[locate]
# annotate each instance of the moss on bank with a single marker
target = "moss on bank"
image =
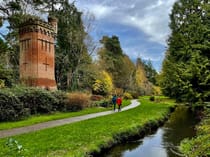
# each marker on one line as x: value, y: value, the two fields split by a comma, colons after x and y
x: 91, y: 136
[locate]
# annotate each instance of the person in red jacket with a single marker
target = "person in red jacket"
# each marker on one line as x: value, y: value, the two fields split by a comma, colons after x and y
x: 119, y: 103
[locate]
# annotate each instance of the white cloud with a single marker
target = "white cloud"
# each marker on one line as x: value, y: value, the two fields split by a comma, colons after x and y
x: 101, y: 11
x: 151, y: 16
x: 142, y: 52
x: 145, y: 23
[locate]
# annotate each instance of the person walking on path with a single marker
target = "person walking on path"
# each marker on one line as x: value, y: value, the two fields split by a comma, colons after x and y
x: 114, y: 99
x: 55, y: 123
x: 119, y: 103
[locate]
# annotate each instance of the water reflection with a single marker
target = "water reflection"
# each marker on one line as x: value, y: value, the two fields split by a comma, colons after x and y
x: 163, y: 141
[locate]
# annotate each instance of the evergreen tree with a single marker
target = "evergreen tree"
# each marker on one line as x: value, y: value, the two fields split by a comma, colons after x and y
x: 117, y: 64
x: 5, y: 71
x: 151, y: 73
x: 71, y: 52
x: 13, y: 12
x: 185, y: 74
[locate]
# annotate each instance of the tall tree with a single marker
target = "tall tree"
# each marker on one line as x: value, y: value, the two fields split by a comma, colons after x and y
x: 151, y: 73
x: 116, y: 63
x: 186, y: 74
x: 13, y: 12
x: 71, y: 52
x: 144, y: 87
x: 5, y: 71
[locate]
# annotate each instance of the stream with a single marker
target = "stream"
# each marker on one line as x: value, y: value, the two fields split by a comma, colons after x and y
x: 162, y: 143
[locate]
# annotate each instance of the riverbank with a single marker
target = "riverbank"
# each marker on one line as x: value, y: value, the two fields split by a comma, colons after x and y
x: 93, y: 135
x: 162, y: 142
x: 199, y: 146
x: 144, y: 129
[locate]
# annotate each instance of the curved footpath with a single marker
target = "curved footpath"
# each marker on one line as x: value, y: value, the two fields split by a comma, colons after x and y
x: 54, y: 123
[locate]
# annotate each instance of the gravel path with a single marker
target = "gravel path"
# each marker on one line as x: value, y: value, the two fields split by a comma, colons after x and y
x: 54, y: 123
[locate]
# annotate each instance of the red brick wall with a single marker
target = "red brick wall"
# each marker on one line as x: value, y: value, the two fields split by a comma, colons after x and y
x: 37, y: 57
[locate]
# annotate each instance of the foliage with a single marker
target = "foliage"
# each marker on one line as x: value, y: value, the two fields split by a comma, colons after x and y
x: 96, y: 97
x: 199, y: 145
x: 60, y: 104
x: 103, y: 85
x: 71, y: 52
x: 152, y: 98
x: 151, y: 73
x: 6, y: 76
x: 108, y: 85
x: 144, y: 87
x: 10, y: 107
x: 15, y: 148
x: 185, y: 74
x: 118, y: 91
x: 90, y: 135
x: 117, y: 64
x: 37, y: 100
x: 134, y: 94
x: 127, y: 95
x: 20, y: 102
x: 2, y: 84
x: 3, y: 49
x: 98, y: 87
x: 104, y: 103
x: 112, y: 44
x: 77, y: 101
x: 157, y: 90
x: 14, y: 13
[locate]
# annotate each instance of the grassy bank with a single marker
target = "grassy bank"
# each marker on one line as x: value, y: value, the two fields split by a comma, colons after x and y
x: 79, y: 139
x: 55, y: 116
x: 198, y: 146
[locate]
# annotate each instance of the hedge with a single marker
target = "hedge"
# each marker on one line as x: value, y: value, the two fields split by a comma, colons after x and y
x: 21, y: 102
x: 10, y: 107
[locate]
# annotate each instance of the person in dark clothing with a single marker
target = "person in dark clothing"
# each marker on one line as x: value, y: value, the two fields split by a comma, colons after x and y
x: 114, y: 99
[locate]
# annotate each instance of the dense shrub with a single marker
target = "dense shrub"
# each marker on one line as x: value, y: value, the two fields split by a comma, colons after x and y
x: 96, y: 97
x: 77, y: 101
x: 152, y: 98
x: 134, y: 94
x: 127, y: 95
x: 104, y: 103
x: 10, y: 107
x: 2, y: 84
x: 35, y: 100
x: 118, y: 91
x: 56, y: 98
x: 60, y: 104
x: 6, y: 75
x: 104, y: 85
x: 20, y: 102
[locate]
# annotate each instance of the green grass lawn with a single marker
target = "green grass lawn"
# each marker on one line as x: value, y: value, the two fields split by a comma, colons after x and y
x: 44, y: 118
x: 78, y: 139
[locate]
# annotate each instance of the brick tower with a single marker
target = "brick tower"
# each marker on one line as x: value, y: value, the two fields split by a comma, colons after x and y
x: 37, y: 54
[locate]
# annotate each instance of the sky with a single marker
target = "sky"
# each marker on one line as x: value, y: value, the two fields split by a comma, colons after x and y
x: 141, y: 25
